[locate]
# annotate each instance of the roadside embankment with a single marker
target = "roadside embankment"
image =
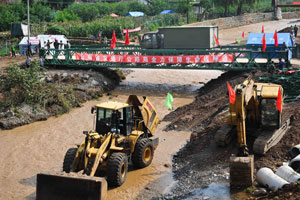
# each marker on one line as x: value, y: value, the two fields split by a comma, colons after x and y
x: 34, y: 94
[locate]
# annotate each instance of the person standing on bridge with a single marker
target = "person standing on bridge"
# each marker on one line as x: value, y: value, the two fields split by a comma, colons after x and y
x: 295, y: 30
x: 48, y: 47
x: 67, y: 52
x: 56, y: 45
x: 281, y: 64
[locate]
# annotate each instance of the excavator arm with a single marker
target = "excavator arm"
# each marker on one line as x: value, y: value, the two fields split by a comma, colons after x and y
x: 244, y: 92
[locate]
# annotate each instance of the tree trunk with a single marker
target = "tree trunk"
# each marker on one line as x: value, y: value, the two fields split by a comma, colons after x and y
x: 239, y: 8
x: 226, y: 9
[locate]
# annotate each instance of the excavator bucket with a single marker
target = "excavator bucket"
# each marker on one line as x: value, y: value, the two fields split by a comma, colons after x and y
x: 67, y: 187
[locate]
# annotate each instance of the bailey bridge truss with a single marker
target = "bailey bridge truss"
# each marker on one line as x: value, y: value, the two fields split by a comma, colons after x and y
x: 228, y: 58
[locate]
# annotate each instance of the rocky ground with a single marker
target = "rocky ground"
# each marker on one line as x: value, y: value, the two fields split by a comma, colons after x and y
x: 201, y: 162
x: 86, y: 85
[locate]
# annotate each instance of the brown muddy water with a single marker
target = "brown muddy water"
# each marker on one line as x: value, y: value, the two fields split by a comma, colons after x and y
x: 41, y: 146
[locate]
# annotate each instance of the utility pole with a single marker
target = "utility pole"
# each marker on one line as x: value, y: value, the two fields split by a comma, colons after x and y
x: 187, y: 12
x: 28, y: 18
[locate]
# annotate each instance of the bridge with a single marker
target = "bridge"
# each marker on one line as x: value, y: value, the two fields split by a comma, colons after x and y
x: 228, y: 58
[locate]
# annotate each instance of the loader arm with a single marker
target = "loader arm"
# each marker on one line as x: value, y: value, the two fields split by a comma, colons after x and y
x: 101, y: 150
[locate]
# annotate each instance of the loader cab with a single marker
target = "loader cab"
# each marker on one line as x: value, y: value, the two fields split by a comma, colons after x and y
x: 114, y: 117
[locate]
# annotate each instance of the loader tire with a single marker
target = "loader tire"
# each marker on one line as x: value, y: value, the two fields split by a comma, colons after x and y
x: 69, y: 158
x: 117, y: 169
x: 143, y: 153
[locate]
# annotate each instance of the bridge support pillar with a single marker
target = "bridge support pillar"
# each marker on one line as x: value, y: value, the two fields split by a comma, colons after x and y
x: 277, y: 13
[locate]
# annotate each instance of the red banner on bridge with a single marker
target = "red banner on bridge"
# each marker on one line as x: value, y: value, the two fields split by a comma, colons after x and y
x: 132, y: 30
x: 212, y: 58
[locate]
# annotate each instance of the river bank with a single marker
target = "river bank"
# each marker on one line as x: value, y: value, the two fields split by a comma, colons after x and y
x: 56, y: 92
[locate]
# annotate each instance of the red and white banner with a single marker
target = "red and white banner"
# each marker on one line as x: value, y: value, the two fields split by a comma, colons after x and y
x: 212, y: 58
x: 133, y: 30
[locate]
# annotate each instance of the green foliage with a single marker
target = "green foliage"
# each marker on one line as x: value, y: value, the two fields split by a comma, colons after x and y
x: 21, y: 84
x: 63, y: 16
x: 107, y: 24
x: 55, y: 29
x: 26, y: 85
x: 86, y: 12
x: 6, y: 18
x: 104, y: 8
x: 157, y: 6
x: 40, y: 13
x: 18, y: 13
x: 59, y: 4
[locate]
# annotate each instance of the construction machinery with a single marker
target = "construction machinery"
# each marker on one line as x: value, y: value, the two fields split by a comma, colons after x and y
x: 123, y: 132
x: 182, y: 37
x: 254, y: 114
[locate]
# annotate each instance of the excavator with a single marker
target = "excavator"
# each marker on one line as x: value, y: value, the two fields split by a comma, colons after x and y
x: 123, y: 132
x: 254, y: 113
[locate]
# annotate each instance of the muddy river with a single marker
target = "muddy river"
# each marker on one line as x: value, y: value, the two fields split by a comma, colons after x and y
x: 40, y: 147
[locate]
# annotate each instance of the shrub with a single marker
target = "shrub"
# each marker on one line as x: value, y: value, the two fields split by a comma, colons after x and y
x: 57, y: 30
x: 26, y: 85
x: 63, y: 16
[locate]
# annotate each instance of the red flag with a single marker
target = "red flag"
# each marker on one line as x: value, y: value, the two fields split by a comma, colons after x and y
x: 275, y: 38
x: 217, y: 41
x: 279, y: 100
x: 262, y: 29
x: 113, y: 41
x: 127, y: 38
x: 231, y: 94
x: 243, y: 35
x: 264, y: 43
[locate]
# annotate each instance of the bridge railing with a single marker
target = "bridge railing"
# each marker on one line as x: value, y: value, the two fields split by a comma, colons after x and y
x: 224, y: 59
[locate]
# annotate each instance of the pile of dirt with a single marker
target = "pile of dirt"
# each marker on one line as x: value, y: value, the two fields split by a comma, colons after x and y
x: 84, y: 84
x: 201, y: 162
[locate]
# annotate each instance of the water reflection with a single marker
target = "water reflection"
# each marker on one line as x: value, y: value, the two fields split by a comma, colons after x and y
x: 215, y: 191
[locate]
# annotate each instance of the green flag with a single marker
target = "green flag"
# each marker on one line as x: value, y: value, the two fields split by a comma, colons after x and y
x: 169, y: 101
x: 239, y: 40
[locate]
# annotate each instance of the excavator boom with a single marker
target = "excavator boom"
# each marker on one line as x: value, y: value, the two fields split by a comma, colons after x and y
x: 254, y: 113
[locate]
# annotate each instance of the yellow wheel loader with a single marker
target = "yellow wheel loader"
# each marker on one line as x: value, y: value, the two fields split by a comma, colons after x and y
x: 123, y: 132
x: 255, y: 113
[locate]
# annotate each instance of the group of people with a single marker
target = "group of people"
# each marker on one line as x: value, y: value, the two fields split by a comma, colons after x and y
x: 57, y: 45
x: 294, y: 30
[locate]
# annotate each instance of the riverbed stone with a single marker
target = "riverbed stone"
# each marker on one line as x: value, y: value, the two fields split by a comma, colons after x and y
x: 259, y: 192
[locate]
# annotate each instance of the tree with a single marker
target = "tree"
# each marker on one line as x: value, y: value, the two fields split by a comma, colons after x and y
x: 206, y: 7
x: 6, y: 17
x: 41, y: 13
x: 60, y: 4
x: 225, y: 4
x: 156, y: 6
x: 104, y: 8
x: 85, y: 11
x: 241, y: 3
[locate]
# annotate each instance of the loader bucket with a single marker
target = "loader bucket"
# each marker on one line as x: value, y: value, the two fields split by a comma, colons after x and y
x: 67, y: 187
